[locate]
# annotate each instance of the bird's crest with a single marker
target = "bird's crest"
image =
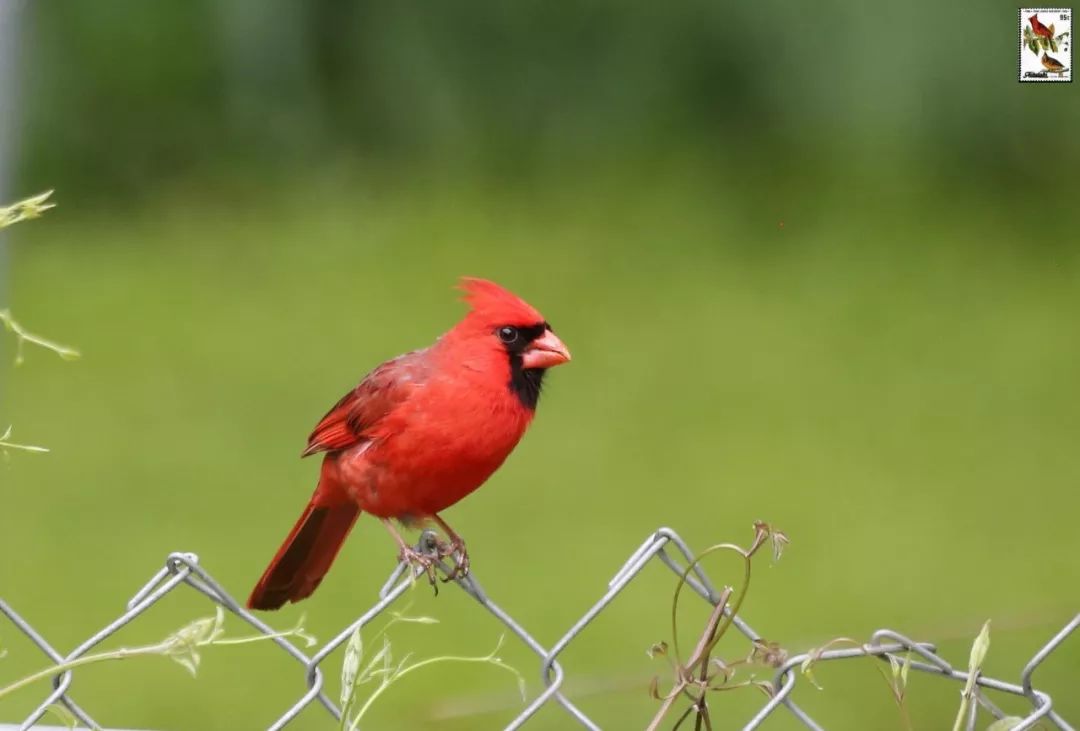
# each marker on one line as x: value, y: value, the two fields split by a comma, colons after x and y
x: 496, y: 305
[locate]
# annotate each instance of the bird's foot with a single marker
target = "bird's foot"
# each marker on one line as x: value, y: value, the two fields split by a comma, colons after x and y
x: 455, y: 549
x: 425, y: 556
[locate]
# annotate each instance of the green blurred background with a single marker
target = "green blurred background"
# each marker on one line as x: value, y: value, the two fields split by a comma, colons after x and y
x: 817, y: 265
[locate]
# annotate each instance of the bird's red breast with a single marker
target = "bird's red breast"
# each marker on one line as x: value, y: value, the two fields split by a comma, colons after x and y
x: 425, y: 429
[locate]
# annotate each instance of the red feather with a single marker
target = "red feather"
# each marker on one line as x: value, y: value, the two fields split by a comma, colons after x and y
x: 363, y: 407
x: 496, y: 306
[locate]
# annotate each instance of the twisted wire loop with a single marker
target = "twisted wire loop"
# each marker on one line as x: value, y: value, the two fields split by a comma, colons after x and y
x: 664, y: 545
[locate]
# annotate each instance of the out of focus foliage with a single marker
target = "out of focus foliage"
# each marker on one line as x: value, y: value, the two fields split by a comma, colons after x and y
x: 130, y: 94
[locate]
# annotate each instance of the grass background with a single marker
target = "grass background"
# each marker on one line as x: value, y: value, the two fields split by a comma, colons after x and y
x: 892, y: 384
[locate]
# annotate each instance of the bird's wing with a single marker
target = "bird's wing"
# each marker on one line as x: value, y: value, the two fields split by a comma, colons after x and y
x: 358, y: 411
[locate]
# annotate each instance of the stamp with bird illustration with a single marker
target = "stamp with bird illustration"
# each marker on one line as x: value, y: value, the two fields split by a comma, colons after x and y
x: 1044, y: 44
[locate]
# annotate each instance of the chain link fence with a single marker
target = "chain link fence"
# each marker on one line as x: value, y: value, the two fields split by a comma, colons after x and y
x: 183, y: 572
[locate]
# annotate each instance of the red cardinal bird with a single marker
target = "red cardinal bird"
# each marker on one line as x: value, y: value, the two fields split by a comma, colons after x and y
x: 418, y: 434
x: 1039, y: 29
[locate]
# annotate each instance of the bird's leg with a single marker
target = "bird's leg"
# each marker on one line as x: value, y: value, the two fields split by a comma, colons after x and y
x: 413, y: 555
x: 456, y: 550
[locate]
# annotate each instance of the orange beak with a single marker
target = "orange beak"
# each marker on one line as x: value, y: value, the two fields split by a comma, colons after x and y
x: 546, y: 351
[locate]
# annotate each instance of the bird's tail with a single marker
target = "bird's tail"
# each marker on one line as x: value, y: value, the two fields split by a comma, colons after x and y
x: 306, y: 555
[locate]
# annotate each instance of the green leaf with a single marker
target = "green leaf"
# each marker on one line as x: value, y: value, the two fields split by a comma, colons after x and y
x: 183, y: 645
x: 807, y: 669
x: 354, y: 653
x: 979, y: 649
x: 61, y: 712
x: 189, y: 661
x: 26, y: 209
x: 1005, y: 724
x: 900, y: 670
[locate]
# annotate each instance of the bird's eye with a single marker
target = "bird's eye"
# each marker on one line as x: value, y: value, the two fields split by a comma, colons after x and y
x: 508, y: 334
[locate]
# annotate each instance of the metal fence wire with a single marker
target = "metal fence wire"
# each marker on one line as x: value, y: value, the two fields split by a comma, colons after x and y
x: 184, y: 570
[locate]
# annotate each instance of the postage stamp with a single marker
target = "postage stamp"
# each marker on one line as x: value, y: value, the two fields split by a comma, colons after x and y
x: 1045, y: 41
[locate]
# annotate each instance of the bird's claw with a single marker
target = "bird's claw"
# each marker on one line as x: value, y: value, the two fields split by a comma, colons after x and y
x: 455, y: 550
x: 424, y: 556
x: 428, y: 554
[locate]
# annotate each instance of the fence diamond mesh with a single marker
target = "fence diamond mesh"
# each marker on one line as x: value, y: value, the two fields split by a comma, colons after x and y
x: 182, y: 571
